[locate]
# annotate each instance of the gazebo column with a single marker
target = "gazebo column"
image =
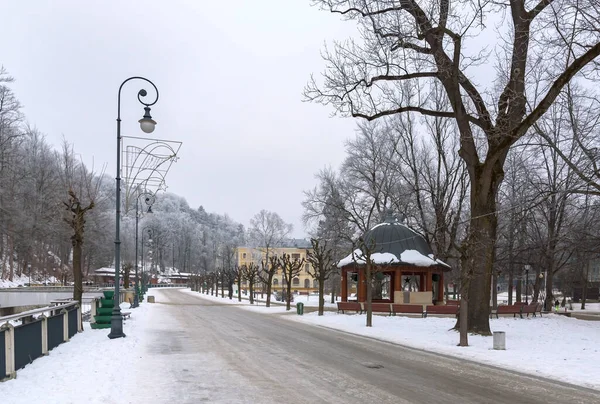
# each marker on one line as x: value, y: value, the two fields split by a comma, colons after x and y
x: 422, y: 283
x: 397, y: 280
x: 441, y: 287
x: 361, y: 288
x: 428, y: 282
x: 344, y: 286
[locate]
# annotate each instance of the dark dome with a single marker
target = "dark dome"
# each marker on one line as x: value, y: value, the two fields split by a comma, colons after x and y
x: 392, y: 243
x: 393, y: 237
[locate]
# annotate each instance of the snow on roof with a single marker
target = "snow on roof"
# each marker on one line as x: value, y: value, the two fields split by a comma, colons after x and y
x: 100, y: 271
x: 410, y: 257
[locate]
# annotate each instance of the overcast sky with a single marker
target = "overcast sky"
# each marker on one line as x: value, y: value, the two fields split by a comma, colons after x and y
x: 230, y: 75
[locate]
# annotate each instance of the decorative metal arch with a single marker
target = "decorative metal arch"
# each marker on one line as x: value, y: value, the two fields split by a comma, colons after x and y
x: 146, y: 163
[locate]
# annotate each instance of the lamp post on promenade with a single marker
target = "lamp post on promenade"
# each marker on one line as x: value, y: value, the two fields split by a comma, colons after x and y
x: 147, y: 125
x: 144, y: 286
x: 149, y: 200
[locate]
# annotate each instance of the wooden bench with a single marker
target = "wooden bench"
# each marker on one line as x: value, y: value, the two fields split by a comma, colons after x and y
x: 512, y: 309
x: 349, y: 306
x: 380, y: 308
x: 126, y: 314
x: 450, y: 302
x: 407, y: 309
x: 532, y: 308
x: 448, y: 309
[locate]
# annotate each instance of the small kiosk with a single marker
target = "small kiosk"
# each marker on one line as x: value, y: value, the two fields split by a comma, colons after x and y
x: 404, y: 268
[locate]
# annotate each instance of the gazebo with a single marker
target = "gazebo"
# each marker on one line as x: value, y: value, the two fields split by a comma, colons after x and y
x: 404, y: 267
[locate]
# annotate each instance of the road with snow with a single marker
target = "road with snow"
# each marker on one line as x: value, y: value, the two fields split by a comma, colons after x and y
x: 215, y: 352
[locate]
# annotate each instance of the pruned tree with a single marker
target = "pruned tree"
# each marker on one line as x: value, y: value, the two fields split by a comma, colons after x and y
x: 291, y: 268
x: 267, y: 273
x: 362, y: 255
x: 251, y: 271
x: 409, y: 45
x: 322, y: 265
x: 238, y: 273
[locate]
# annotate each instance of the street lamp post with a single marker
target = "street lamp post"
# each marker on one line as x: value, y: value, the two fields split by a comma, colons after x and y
x: 149, y: 200
x: 144, y: 275
x: 144, y: 257
x: 147, y: 125
x: 526, y: 284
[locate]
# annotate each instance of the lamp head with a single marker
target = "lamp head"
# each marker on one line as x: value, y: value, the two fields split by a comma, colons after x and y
x: 147, y: 124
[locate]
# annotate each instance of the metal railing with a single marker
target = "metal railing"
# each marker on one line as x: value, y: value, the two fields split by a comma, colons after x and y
x: 35, y: 337
x: 168, y: 285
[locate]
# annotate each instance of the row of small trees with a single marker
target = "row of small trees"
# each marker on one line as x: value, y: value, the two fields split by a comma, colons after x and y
x: 322, y: 266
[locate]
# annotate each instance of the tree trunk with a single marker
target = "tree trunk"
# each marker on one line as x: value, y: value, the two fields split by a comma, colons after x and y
x: 269, y: 288
x: 11, y: 257
x: 239, y: 283
x: 77, y: 274
x: 478, y: 250
x: 585, y: 286
x: 510, y: 286
x: 251, y: 291
x: 289, y: 294
x: 369, y: 294
x: 463, y: 316
x: 494, y: 290
x: 321, y: 295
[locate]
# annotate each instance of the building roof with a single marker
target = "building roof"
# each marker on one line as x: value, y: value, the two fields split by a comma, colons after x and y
x: 395, y: 243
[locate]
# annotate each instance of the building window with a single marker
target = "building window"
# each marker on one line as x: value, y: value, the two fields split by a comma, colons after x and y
x: 243, y: 255
x: 307, y: 283
x: 296, y: 282
x: 315, y: 283
x: 275, y: 281
x: 296, y: 257
x: 306, y: 266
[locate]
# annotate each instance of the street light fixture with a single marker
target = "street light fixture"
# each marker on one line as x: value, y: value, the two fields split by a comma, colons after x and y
x: 149, y: 200
x: 147, y: 125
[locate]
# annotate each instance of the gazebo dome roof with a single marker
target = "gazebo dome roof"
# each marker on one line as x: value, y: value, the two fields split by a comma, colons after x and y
x: 392, y: 242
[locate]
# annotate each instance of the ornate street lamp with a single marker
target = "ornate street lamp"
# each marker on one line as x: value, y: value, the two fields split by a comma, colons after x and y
x: 147, y: 125
x: 149, y: 201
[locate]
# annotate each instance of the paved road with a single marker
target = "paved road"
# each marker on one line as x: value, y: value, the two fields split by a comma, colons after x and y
x: 225, y: 354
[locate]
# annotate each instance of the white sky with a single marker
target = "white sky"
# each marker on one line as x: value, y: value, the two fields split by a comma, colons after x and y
x: 230, y: 76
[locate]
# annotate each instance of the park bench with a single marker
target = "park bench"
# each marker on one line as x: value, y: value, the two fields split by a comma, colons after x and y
x: 380, y: 308
x: 450, y: 302
x: 407, y: 309
x: 448, y: 309
x: 532, y: 308
x: 349, y: 306
x: 126, y: 314
x: 512, y: 309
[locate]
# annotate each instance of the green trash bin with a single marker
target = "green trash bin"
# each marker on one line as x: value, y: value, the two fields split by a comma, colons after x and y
x: 300, y: 308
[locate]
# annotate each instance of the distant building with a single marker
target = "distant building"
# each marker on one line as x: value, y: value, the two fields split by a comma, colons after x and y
x: 296, y: 248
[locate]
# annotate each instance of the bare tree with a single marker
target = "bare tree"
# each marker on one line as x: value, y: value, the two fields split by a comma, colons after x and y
x: 322, y: 265
x: 238, y: 273
x: 410, y: 44
x: 291, y: 268
x: 251, y: 271
x: 268, y: 270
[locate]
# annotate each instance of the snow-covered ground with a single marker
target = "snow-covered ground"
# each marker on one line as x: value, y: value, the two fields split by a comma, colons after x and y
x: 83, y: 370
x: 556, y: 347
x: 16, y: 282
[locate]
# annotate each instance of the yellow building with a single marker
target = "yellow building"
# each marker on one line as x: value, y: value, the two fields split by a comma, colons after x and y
x: 302, y: 283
